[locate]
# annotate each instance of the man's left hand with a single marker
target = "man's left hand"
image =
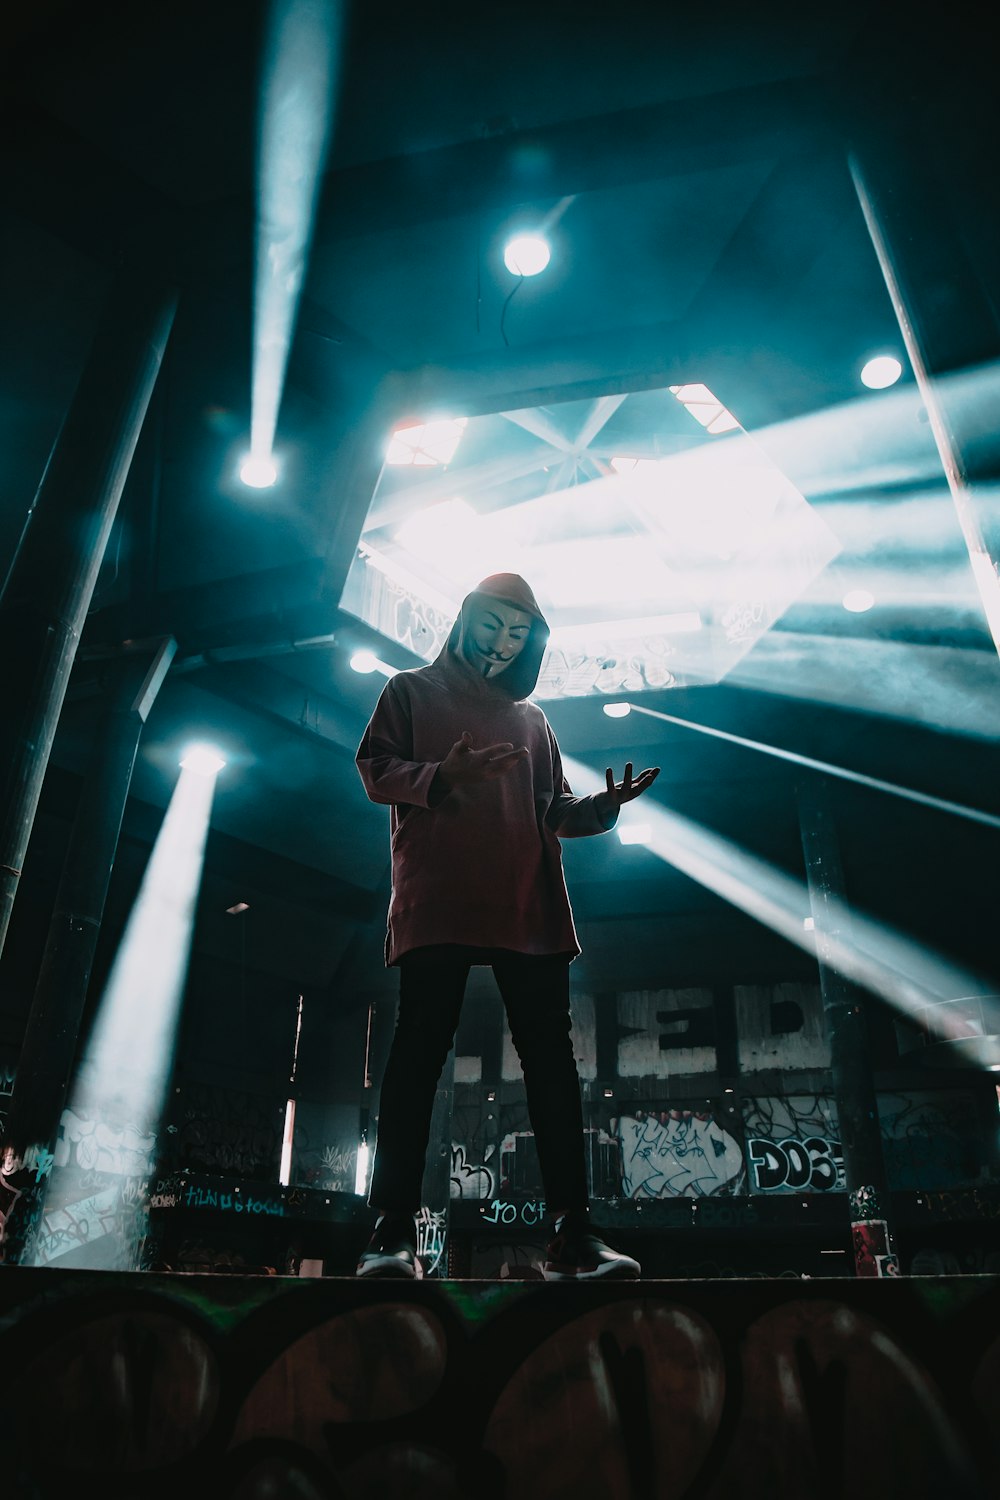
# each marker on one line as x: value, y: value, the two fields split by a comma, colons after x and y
x: 620, y: 792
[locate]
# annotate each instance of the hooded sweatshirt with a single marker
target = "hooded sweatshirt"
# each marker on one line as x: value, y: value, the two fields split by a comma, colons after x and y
x: 479, y: 864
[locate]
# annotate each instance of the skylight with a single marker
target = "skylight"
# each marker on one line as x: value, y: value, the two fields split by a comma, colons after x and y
x: 705, y: 408
x: 658, y: 554
x: 424, y: 444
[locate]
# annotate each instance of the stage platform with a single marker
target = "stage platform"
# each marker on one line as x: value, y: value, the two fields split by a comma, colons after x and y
x: 294, y: 1388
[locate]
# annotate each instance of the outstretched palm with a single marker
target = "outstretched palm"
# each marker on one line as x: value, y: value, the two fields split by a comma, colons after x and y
x: 626, y: 790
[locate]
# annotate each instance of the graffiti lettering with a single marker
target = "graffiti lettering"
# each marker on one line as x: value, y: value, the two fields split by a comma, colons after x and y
x: 467, y: 1180
x: 432, y: 1234
x: 499, y: 1212
x: 677, y: 1154
x: 812, y: 1165
x: 726, y: 1213
x: 341, y: 1167
x: 239, y: 1203
x: 96, y: 1147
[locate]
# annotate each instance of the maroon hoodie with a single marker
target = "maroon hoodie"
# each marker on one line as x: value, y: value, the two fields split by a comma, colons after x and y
x: 482, y: 864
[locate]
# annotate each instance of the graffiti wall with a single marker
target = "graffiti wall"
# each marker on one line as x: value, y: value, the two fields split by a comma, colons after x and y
x: 793, y: 1144
x: 8, y: 1068
x: 210, y: 1128
x: 767, y: 1144
x: 780, y: 1026
x: 93, y: 1193
x: 325, y: 1147
x: 664, y: 1032
x: 934, y: 1139
x: 243, y: 1388
x: 679, y: 1153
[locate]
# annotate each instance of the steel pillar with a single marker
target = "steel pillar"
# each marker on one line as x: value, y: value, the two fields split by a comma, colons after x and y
x: 51, y: 581
x: 853, y: 1086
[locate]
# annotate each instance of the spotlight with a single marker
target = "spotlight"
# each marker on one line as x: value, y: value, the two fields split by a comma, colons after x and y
x: 881, y: 371
x: 858, y: 600
x: 526, y: 255
x: 617, y: 710
x: 202, y: 760
x: 367, y: 661
x: 258, y: 473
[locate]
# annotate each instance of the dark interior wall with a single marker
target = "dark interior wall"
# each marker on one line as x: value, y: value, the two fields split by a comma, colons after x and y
x: 49, y: 325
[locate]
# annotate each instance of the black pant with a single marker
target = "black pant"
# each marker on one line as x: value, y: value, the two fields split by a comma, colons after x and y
x: 535, y: 993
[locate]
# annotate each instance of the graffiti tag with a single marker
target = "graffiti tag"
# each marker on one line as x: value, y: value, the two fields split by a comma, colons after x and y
x: 811, y: 1165
x: 677, y: 1154
x: 500, y: 1212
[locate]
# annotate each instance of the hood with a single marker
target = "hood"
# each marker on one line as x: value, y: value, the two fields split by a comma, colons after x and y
x: 521, y: 676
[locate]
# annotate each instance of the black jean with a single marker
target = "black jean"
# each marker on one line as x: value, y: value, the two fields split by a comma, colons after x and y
x: 535, y: 993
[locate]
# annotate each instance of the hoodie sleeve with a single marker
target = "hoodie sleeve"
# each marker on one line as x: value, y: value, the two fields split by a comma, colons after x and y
x: 384, y: 760
x: 575, y: 817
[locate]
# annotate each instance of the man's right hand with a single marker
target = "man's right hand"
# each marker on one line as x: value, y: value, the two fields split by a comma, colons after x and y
x: 464, y: 765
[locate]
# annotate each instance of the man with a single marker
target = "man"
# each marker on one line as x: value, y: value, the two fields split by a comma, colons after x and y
x: 473, y: 777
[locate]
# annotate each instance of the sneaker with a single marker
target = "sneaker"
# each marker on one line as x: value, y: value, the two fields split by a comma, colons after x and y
x: 575, y: 1253
x: 392, y: 1249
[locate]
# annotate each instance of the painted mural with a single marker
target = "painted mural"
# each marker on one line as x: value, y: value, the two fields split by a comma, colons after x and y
x: 253, y: 1387
x: 933, y: 1139
x: 779, y: 1027
x: 793, y: 1144
x: 678, y: 1153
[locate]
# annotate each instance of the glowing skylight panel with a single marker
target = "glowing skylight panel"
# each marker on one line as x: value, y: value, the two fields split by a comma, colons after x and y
x: 625, y: 465
x: 597, y: 572
x: 425, y: 444
x: 658, y: 554
x: 705, y: 408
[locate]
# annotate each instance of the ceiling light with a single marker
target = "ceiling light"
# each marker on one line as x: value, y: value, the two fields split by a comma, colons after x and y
x: 881, y: 371
x: 367, y: 661
x: 202, y: 760
x: 617, y: 710
x: 258, y: 472
x: 858, y: 600
x: 526, y: 255
x: 809, y: 924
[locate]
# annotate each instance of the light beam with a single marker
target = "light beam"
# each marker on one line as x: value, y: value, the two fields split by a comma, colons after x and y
x: 299, y: 74
x: 119, y: 1091
x: 940, y: 804
x: 912, y: 978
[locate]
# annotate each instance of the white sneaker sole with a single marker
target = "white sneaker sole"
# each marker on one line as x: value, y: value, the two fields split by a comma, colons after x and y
x: 616, y: 1269
x: 390, y: 1267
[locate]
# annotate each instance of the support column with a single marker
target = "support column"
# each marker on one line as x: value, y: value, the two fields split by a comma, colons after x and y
x: 50, y: 1041
x: 49, y: 588
x: 853, y: 1086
